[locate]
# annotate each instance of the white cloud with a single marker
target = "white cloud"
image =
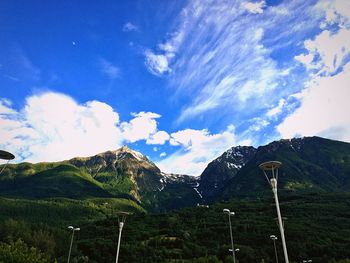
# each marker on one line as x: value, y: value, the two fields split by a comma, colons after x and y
x: 141, y: 127
x: 163, y: 154
x: 128, y: 27
x: 197, y: 149
x: 327, y: 52
x: 324, y: 109
x: 5, y: 107
x: 255, y: 8
x: 54, y: 127
x: 159, y: 137
x: 109, y: 69
x: 324, y: 106
x: 156, y: 64
x: 336, y: 12
x: 259, y: 125
x: 213, y: 68
x: 223, y: 60
x: 278, y: 109
x: 307, y: 60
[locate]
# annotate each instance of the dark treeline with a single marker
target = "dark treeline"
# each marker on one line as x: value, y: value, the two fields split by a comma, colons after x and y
x: 317, y: 227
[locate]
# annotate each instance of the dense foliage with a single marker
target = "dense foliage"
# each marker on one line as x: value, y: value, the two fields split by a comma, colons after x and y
x: 317, y: 228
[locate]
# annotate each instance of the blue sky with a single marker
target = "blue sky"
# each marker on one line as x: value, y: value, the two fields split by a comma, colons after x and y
x: 180, y: 81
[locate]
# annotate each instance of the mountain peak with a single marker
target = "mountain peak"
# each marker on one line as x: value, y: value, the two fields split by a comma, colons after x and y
x: 125, y: 151
x: 224, y: 168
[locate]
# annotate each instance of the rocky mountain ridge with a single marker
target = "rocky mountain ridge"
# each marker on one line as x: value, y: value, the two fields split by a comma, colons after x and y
x: 222, y: 169
x: 310, y: 163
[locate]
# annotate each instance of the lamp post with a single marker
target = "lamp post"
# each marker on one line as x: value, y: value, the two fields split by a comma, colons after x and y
x: 73, y: 229
x: 271, y: 168
x: 6, y: 156
x: 274, y: 238
x: 229, y: 213
x: 121, y: 221
x: 307, y: 260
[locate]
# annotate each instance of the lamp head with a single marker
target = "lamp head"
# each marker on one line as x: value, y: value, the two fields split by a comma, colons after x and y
x: 271, y: 165
x: 70, y: 227
x: 226, y: 211
x: 6, y: 155
x: 273, y: 237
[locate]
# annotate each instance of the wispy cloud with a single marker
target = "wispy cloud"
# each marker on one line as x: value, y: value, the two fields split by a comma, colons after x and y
x: 254, y: 7
x: 109, y: 69
x: 128, y: 27
x: 18, y: 66
x: 156, y: 64
x: 324, y: 101
x: 276, y: 110
x: 220, y: 55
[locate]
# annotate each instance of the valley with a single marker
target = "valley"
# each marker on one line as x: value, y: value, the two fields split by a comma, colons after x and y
x: 179, y: 218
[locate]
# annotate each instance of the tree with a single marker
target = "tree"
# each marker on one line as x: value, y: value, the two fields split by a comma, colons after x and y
x: 19, y: 252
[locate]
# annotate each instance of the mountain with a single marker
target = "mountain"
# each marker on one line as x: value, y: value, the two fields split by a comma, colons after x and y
x: 178, y: 191
x: 49, y: 180
x: 123, y: 173
x: 308, y: 164
x: 213, y: 179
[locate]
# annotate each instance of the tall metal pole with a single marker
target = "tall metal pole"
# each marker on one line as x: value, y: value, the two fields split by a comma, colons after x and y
x: 70, y: 248
x: 4, y: 155
x: 274, y: 245
x: 233, y: 248
x: 121, y: 224
x: 280, y: 224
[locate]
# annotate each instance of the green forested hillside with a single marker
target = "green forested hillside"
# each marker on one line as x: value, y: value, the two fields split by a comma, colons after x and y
x: 311, y: 164
x: 42, y: 225
x: 317, y: 227
x: 62, y: 180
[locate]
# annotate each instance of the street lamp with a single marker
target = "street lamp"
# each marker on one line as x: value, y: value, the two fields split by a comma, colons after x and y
x: 274, y: 238
x: 6, y: 156
x: 271, y: 168
x: 229, y: 213
x: 73, y: 229
x: 307, y: 260
x: 121, y: 221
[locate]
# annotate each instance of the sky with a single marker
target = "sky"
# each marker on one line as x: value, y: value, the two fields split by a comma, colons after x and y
x: 179, y: 81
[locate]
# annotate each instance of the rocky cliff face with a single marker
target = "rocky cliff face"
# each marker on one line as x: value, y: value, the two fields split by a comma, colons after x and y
x: 309, y: 164
x: 224, y: 168
x: 123, y: 168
